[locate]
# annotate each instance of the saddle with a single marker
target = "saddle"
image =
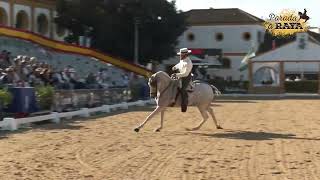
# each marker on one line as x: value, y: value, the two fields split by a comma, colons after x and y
x: 176, y: 90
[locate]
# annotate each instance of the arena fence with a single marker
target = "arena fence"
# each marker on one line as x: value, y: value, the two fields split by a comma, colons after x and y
x: 13, y: 124
x: 77, y: 99
x: 83, y: 103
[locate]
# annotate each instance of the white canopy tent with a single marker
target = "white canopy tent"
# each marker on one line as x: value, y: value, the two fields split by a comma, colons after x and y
x: 298, y: 56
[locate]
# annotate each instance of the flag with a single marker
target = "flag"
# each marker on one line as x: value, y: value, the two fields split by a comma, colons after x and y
x: 245, y: 60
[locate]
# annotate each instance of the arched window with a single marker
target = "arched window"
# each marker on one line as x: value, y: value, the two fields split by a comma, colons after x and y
x: 60, y: 30
x: 3, y: 17
x: 246, y: 36
x: 190, y: 37
x: 22, y: 20
x: 42, y: 24
x: 219, y: 36
x: 266, y: 76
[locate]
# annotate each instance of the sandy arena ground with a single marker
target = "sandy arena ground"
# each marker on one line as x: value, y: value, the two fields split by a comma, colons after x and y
x: 261, y: 140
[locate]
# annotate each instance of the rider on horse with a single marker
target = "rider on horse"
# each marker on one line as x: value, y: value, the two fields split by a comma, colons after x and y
x: 184, y: 67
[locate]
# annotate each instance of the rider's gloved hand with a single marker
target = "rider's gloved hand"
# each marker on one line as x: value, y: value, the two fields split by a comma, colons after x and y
x: 174, y: 76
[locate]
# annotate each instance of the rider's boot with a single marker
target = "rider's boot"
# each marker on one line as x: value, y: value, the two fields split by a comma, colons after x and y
x: 184, y: 101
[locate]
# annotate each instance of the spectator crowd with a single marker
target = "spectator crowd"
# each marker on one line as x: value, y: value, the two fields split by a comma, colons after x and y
x: 25, y: 71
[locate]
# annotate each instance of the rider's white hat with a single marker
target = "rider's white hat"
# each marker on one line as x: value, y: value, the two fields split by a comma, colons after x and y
x: 184, y: 51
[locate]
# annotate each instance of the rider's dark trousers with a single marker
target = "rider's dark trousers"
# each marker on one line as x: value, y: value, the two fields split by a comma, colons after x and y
x: 184, y: 93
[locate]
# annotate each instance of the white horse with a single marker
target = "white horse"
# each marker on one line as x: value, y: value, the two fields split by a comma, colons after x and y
x: 164, y: 89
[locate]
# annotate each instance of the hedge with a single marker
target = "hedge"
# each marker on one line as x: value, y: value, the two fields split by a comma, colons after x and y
x: 310, y: 86
x: 5, y: 97
x: 45, y: 97
x: 222, y: 85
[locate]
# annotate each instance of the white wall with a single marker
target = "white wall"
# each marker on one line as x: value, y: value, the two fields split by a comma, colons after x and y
x: 6, y: 7
x: 46, y: 12
x: 233, y: 42
x: 27, y: 9
x: 301, y: 67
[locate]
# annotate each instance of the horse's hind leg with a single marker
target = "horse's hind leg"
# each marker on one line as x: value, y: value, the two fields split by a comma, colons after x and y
x: 204, y: 119
x: 210, y: 110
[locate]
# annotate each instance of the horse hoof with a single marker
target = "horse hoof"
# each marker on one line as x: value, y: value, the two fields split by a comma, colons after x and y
x: 157, y: 130
x: 192, y: 129
x: 136, y: 129
x: 219, y: 127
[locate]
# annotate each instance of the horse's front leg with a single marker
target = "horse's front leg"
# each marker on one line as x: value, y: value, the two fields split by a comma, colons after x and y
x: 157, y: 110
x: 161, y: 123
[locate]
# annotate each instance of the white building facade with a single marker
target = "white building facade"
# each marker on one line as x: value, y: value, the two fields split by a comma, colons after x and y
x: 32, y: 15
x: 231, y: 30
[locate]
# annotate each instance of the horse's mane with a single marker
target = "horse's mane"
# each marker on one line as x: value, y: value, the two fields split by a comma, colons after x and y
x: 163, y: 73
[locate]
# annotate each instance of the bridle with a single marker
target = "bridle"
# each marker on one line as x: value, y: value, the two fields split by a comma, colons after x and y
x: 153, y: 87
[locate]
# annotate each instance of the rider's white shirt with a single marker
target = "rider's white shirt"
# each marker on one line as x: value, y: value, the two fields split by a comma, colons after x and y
x: 184, y: 67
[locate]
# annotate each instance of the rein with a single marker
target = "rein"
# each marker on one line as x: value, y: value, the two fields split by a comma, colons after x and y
x: 165, y: 89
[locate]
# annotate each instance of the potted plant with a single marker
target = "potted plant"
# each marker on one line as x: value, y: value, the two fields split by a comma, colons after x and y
x: 45, y: 97
x: 5, y: 99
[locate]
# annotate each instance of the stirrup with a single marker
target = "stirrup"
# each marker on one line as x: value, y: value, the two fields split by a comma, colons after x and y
x: 190, y: 88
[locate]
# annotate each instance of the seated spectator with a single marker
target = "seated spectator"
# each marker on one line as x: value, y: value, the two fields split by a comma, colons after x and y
x: 100, y: 81
x: 7, y: 59
x: 64, y: 75
x: 74, y: 80
x: 2, y: 72
x: 2, y: 59
x: 34, y: 78
x: 47, y: 77
x: 24, y: 72
x: 134, y: 86
x: 62, y: 84
x: 2, y: 75
x: 33, y: 60
x: 3, y: 54
x: 91, y: 81
x: 11, y: 77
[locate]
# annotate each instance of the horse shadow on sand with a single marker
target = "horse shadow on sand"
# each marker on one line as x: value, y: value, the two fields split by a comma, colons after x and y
x: 253, y: 136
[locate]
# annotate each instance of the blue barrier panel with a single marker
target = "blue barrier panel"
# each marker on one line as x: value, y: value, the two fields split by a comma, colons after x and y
x: 144, y: 92
x: 24, y: 100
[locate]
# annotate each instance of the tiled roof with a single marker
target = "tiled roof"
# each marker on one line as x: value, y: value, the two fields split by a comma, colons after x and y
x: 313, y: 37
x: 220, y: 16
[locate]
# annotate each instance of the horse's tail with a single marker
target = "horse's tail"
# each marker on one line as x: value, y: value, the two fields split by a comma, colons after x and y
x: 215, y: 90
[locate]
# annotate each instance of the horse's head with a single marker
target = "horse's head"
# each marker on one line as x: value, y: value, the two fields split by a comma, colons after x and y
x: 157, y: 81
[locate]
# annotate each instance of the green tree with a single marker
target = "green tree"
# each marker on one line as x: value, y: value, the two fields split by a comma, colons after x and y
x: 112, y: 22
x: 279, y: 41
